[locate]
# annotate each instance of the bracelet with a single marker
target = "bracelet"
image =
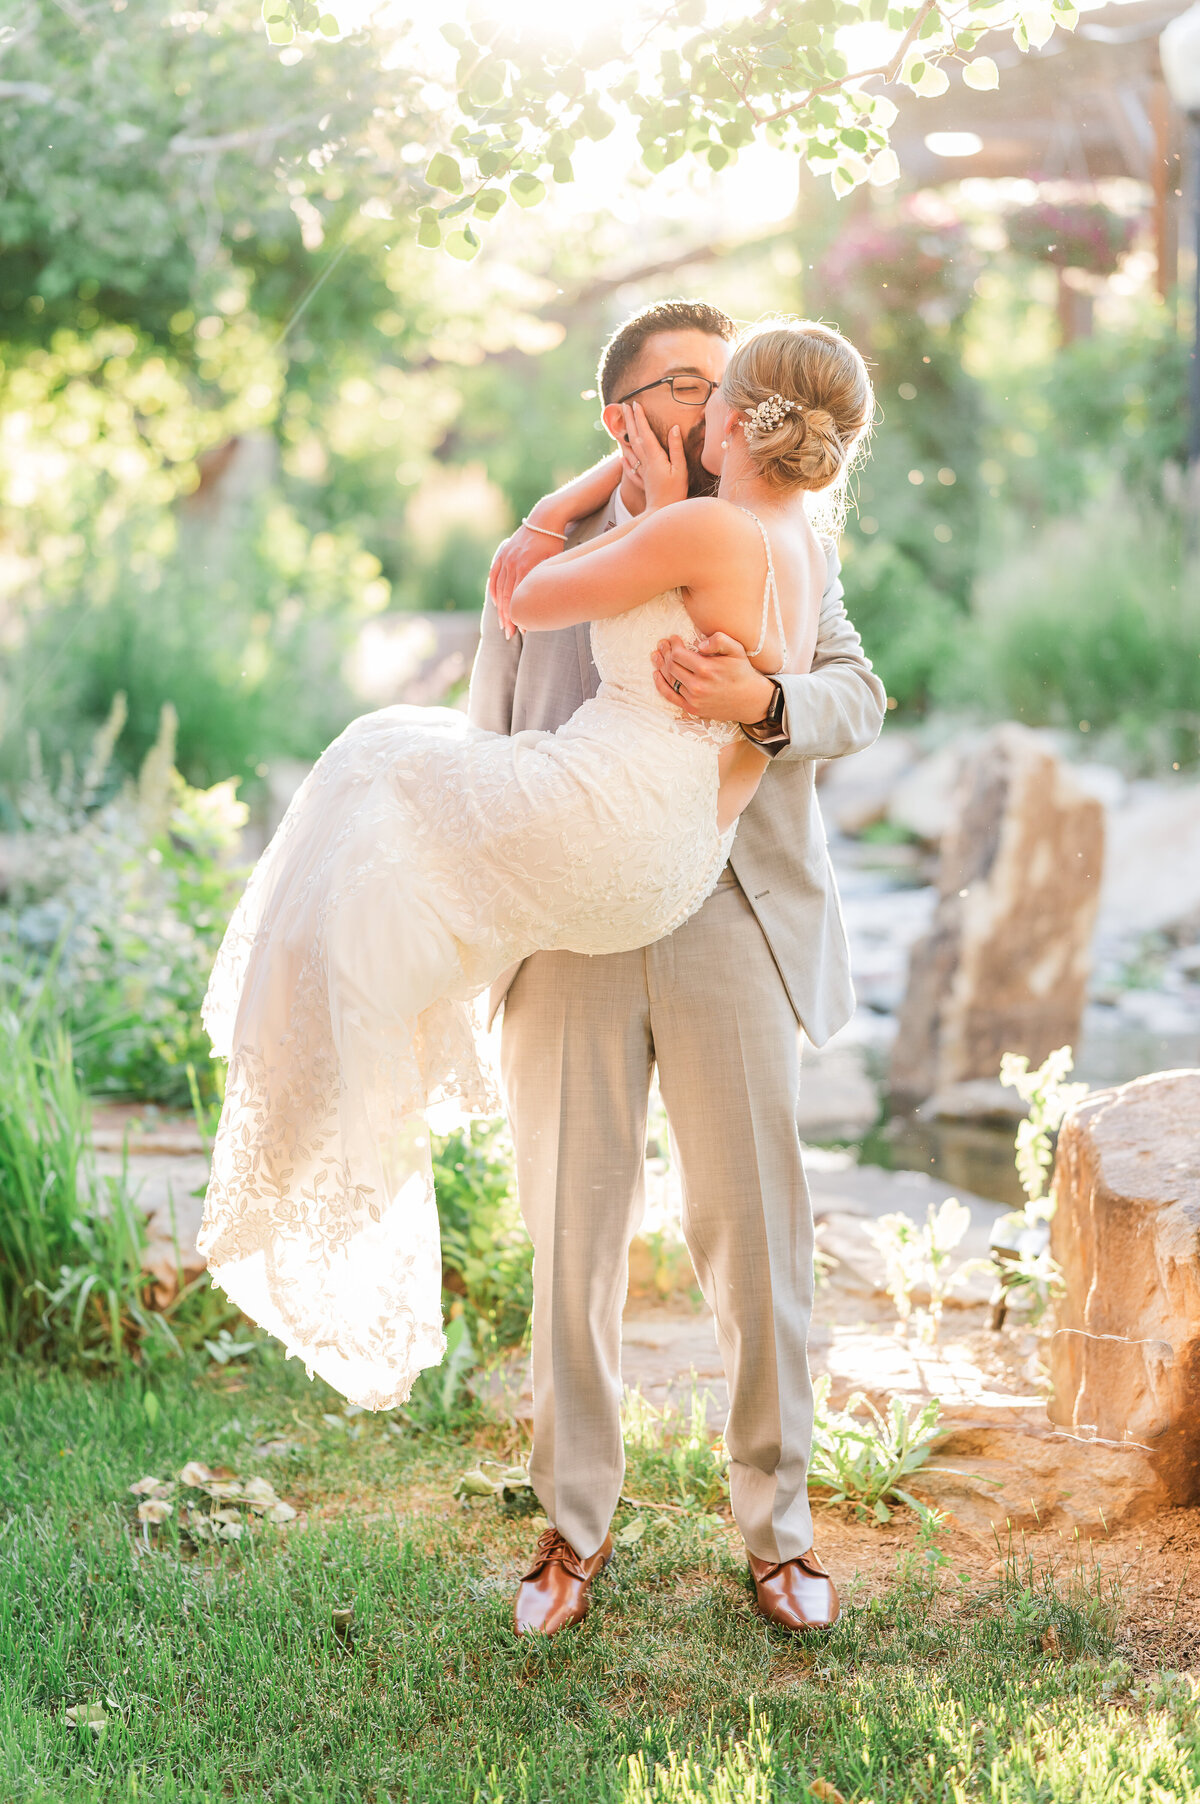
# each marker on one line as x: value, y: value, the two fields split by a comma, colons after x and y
x: 546, y: 530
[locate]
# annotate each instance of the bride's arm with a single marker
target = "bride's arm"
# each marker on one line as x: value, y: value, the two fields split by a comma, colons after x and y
x: 549, y: 520
x: 673, y: 548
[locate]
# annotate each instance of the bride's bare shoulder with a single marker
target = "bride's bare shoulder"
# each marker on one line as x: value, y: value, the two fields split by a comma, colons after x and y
x: 708, y: 522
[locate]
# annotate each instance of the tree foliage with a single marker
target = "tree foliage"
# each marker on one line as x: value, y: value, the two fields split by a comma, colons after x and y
x: 528, y: 99
x: 149, y: 160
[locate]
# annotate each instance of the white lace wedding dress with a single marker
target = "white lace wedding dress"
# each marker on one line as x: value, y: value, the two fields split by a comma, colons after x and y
x: 420, y: 859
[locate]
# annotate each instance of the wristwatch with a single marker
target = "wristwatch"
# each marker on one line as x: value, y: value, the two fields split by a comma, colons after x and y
x: 770, y: 733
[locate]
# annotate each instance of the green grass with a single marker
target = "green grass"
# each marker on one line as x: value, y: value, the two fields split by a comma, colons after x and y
x: 222, y: 1676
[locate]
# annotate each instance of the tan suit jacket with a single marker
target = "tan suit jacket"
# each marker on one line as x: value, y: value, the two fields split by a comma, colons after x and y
x: 779, y: 855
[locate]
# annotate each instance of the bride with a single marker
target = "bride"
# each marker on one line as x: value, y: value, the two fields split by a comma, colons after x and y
x: 423, y: 856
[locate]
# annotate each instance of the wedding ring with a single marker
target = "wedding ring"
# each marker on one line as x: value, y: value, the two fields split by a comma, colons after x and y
x: 677, y: 686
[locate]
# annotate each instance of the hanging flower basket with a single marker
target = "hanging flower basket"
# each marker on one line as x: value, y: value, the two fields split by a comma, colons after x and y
x: 1072, y: 235
x: 917, y: 258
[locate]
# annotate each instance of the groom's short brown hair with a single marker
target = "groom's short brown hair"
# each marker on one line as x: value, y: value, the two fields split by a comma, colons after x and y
x: 624, y: 347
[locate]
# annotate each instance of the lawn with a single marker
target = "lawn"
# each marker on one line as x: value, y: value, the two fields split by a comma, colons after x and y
x: 221, y: 1671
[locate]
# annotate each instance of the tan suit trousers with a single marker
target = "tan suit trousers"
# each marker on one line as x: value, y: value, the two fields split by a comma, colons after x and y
x: 580, y: 1040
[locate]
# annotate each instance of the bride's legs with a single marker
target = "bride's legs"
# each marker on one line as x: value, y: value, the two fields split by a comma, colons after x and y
x: 576, y: 1059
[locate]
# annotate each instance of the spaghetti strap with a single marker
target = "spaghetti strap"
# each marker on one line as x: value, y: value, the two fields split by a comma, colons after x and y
x: 770, y: 595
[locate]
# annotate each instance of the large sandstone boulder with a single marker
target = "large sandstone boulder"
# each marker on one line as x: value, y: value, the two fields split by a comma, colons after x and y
x: 1125, y: 1358
x: 1004, y: 966
x: 1152, y: 867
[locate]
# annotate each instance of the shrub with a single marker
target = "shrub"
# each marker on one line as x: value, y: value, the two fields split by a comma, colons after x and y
x: 1107, y: 409
x: 1096, y: 619
x: 487, y: 1259
x: 909, y: 626
x: 243, y: 636
x: 120, y: 905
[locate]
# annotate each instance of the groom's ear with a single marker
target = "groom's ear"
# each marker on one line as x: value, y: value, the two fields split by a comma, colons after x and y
x: 614, y: 422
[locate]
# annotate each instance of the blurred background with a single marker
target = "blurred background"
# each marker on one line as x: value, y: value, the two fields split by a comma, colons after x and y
x: 257, y: 448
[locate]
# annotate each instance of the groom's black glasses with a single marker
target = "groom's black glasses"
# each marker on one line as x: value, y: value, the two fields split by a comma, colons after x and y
x: 689, y: 391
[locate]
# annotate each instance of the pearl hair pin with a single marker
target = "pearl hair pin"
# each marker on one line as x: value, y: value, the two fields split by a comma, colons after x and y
x: 767, y: 415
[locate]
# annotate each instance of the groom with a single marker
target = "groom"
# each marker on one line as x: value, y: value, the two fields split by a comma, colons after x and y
x: 716, y: 1006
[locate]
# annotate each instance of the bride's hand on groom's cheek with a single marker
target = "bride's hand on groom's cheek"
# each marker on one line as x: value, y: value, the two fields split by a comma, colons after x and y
x: 662, y: 474
x: 714, y: 680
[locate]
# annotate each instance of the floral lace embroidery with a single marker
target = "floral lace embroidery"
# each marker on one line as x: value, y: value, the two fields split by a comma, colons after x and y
x: 420, y: 858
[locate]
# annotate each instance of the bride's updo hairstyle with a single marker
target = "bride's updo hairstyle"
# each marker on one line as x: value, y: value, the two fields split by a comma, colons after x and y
x: 805, y: 401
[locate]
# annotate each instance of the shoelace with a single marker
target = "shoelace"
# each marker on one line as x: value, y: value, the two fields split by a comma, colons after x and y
x: 552, y: 1547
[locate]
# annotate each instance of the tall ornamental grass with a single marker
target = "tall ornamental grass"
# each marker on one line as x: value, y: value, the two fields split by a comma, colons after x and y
x: 71, y: 1243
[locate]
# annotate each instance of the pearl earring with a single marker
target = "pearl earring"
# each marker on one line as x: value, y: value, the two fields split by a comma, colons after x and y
x: 724, y: 444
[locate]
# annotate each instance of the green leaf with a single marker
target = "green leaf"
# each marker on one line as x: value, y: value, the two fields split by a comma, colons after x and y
x: 718, y: 156
x: 281, y: 32
x: 489, y: 203
x: 774, y: 56
x: 274, y: 10
x: 562, y: 172
x: 854, y: 139
x: 454, y: 34
x: 150, y: 1405
x: 429, y: 234
x: 654, y: 159
x: 595, y: 121
x: 464, y: 245
x: 486, y: 87
x: 443, y: 172
x: 327, y: 25
x: 526, y: 190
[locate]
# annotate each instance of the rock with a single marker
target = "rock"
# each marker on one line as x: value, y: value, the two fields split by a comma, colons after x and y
x: 923, y: 801
x: 1103, y: 781
x: 1125, y: 1358
x: 1152, y: 863
x: 882, y: 923
x: 993, y: 1479
x: 856, y: 792
x: 169, y: 1191
x: 982, y: 1099
x: 838, y: 1101
x: 1161, y: 1012
x: 861, y: 1268
x: 1004, y: 966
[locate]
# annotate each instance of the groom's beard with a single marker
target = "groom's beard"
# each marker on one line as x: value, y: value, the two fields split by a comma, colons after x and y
x: 700, y: 480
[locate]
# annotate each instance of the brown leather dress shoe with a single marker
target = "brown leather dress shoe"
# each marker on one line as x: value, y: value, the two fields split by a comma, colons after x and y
x: 555, y: 1591
x: 797, y: 1594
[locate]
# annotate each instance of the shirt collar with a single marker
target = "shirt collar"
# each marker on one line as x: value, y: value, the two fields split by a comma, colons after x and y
x: 621, y: 514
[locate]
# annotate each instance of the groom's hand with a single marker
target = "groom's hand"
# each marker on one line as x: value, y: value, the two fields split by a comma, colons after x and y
x: 714, y: 680
x: 522, y: 552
